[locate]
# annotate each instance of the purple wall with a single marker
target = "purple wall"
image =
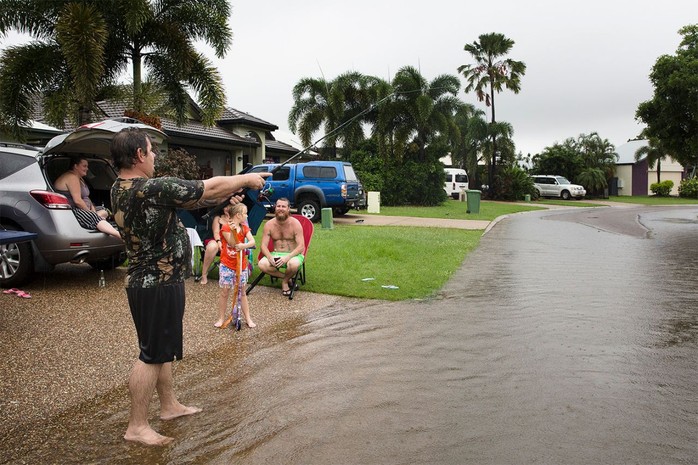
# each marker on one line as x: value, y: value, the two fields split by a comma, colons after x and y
x: 640, y: 178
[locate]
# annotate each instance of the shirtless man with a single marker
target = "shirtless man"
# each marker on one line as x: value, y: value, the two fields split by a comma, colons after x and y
x: 289, y: 243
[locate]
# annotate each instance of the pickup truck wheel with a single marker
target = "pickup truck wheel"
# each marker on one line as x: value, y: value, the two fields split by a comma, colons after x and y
x: 16, y: 263
x: 310, y: 209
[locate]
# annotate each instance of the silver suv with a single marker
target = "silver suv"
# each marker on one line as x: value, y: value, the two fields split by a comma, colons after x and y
x: 557, y: 186
x: 28, y: 202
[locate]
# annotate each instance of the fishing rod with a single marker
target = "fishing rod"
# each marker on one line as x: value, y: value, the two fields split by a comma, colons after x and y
x: 266, y: 190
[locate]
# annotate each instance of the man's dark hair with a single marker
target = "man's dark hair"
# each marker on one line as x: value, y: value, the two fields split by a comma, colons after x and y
x: 125, y: 145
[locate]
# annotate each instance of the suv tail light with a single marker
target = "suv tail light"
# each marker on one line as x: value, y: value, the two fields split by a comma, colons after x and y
x: 344, y: 191
x: 51, y: 200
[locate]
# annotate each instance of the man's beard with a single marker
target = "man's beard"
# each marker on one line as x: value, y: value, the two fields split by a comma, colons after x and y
x: 282, y: 216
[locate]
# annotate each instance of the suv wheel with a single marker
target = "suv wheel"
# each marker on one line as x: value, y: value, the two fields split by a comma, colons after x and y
x: 16, y: 263
x: 565, y: 195
x: 310, y: 209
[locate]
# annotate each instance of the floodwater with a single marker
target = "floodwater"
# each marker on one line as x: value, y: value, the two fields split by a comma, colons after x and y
x: 565, y: 338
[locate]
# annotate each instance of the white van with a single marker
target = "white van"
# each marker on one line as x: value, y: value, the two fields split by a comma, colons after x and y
x: 456, y: 180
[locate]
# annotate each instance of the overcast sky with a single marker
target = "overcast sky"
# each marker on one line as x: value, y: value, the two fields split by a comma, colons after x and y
x: 587, y: 62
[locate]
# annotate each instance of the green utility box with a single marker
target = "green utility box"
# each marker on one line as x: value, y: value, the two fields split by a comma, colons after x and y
x: 327, y: 220
x: 473, y: 201
x: 527, y: 197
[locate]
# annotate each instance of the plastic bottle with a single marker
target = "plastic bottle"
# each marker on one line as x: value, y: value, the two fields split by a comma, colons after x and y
x: 102, y: 280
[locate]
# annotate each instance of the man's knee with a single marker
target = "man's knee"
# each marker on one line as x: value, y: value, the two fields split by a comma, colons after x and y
x: 293, y: 264
x: 264, y: 265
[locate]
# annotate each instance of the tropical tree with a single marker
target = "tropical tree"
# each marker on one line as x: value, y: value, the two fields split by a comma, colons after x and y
x: 490, y: 74
x: 155, y: 35
x: 559, y: 159
x: 654, y: 153
x: 64, y: 67
x: 327, y: 105
x: 468, y: 146
x: 671, y: 115
x: 588, y: 160
x: 421, y: 110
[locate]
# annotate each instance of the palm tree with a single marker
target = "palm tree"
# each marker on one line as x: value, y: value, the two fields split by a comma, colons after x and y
x: 82, y: 47
x: 421, y: 110
x: 64, y: 65
x: 654, y: 153
x: 327, y: 105
x: 468, y: 148
x: 491, y: 74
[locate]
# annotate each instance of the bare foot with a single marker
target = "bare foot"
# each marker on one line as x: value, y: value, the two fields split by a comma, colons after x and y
x: 181, y: 411
x: 251, y: 324
x: 147, y: 436
x: 218, y: 323
x: 203, y: 280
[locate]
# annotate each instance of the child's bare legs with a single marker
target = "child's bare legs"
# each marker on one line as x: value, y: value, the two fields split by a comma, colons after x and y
x: 222, y: 304
x: 209, y: 256
x: 246, y: 311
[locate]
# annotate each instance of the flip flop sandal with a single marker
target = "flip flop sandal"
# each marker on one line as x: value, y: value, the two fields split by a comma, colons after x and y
x: 14, y: 290
x: 286, y: 292
x: 24, y: 295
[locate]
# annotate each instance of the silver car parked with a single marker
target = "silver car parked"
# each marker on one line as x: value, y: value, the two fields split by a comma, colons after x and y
x: 28, y: 202
x: 557, y: 186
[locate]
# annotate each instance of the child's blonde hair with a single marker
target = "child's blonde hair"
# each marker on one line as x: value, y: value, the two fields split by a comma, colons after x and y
x: 232, y: 210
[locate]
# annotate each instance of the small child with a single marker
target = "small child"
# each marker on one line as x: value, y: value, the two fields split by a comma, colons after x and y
x: 233, y: 235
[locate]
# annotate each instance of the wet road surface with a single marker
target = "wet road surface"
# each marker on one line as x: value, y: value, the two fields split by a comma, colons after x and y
x: 566, y: 337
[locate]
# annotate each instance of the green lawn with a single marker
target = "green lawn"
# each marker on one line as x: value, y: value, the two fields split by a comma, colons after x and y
x: 454, y: 209
x: 566, y: 203
x: 653, y: 200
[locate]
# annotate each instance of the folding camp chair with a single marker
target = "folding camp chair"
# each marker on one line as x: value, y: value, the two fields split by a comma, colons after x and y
x: 300, y: 274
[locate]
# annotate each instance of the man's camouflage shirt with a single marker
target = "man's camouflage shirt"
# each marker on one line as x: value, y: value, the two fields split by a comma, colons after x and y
x: 157, y: 243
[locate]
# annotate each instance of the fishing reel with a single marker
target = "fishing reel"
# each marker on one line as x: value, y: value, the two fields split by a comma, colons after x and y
x: 265, y: 192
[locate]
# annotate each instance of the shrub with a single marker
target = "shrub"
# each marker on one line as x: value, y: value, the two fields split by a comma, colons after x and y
x: 662, y: 189
x: 513, y: 183
x: 178, y: 163
x: 689, y: 188
x: 413, y: 183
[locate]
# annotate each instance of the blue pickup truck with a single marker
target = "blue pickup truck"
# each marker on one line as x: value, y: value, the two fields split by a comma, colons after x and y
x: 314, y: 185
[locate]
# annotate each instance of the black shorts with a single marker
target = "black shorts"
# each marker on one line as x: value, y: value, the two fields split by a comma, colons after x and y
x: 157, y: 313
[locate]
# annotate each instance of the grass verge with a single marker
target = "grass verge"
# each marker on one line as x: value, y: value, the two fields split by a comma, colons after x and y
x: 357, y: 261
x: 456, y: 210
x: 652, y: 200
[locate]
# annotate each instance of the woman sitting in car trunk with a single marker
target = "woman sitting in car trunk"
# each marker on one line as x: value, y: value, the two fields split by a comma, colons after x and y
x: 74, y: 188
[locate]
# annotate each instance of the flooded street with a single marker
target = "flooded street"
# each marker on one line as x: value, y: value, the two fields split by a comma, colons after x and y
x: 567, y: 337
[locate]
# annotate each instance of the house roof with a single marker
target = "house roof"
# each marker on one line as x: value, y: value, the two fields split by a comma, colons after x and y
x: 626, y: 152
x: 231, y: 115
x: 191, y: 128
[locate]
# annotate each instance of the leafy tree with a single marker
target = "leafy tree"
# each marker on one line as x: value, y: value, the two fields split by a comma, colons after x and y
x: 155, y: 35
x: 491, y: 74
x: 671, y: 115
x: 599, y: 163
x: 588, y: 160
